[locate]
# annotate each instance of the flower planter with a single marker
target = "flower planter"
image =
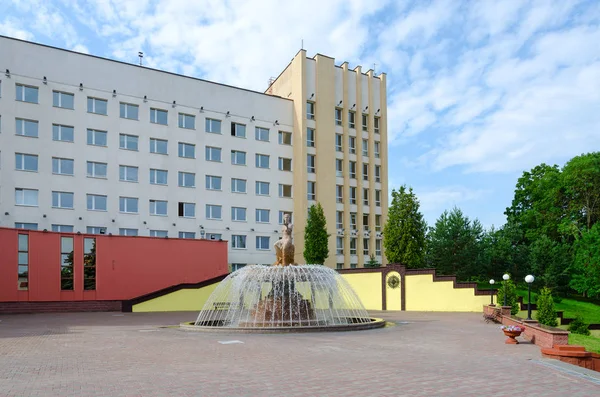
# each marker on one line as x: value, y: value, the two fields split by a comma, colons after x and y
x: 511, y: 337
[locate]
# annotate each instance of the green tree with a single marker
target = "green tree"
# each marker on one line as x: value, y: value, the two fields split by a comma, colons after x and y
x: 549, y: 262
x: 585, y: 269
x: 372, y: 262
x: 404, y: 232
x: 581, y: 177
x: 579, y: 326
x: 508, y: 287
x: 316, y: 248
x: 545, y: 308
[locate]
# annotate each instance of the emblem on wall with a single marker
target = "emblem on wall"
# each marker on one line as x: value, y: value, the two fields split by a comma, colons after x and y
x: 393, y: 282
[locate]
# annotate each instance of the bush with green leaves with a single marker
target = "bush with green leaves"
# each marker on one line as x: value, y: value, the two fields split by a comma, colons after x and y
x: 372, y: 262
x: 545, y: 308
x: 511, y: 296
x: 578, y: 326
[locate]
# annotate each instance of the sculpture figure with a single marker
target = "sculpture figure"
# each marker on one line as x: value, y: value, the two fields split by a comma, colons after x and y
x: 284, y: 247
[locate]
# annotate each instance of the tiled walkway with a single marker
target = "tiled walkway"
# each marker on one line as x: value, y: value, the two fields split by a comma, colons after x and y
x: 424, y: 354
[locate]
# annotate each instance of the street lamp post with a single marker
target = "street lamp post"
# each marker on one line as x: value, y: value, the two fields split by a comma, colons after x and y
x: 506, y: 277
x: 492, y: 292
x: 529, y: 279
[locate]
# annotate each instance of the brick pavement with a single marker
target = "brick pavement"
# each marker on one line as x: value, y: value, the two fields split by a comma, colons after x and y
x: 135, y: 354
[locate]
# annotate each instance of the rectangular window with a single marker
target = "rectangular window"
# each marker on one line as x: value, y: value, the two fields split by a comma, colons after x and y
x: 26, y: 162
x: 213, y: 182
x: 129, y: 111
x: 352, y: 169
x: 128, y: 142
x: 187, y: 121
x: 310, y: 163
x: 63, y: 100
x: 352, y: 144
x: 213, y: 211
x: 186, y: 179
x: 96, y: 170
x: 23, y: 263
x: 285, y: 190
x: 376, y: 149
x: 158, y: 177
x: 27, y: 197
x: 378, y: 247
x: 377, y: 223
x: 365, y: 122
x: 262, y: 215
x: 285, y: 138
x: 158, y: 207
x: 365, y: 148
x: 339, y: 143
x: 158, y: 116
x: 97, y: 138
x: 339, y: 168
x: 365, y: 171
x: 62, y: 228
x: 186, y: 210
x: 339, y: 244
x: 351, y: 119
x: 187, y: 235
x: 66, y: 263
x: 213, y: 126
x: 365, y: 247
x: 238, y: 130
x: 96, y: 202
x: 352, y: 195
x: 62, y: 166
x: 365, y: 222
x: 376, y: 124
x: 213, y: 154
x: 62, y: 200
x: 27, y: 226
x: 158, y: 146
x: 366, y: 197
x: 285, y: 164
x: 128, y: 173
x: 339, y: 266
x: 311, y: 190
x: 187, y: 150
x: 377, y: 173
x: 310, y: 137
x: 261, y: 134
x: 237, y: 266
x: 338, y: 116
x: 353, y: 221
x: 27, y: 128
x: 339, y: 219
x: 378, y: 198
x: 262, y: 243
x: 238, y: 185
x: 262, y: 161
x: 62, y: 133
x: 310, y: 110
x: 238, y: 157
x: 97, y: 106
x: 238, y: 214
x: 128, y: 205
x: 262, y: 188
x: 238, y: 241
x: 339, y: 193
x: 95, y: 230
x: 159, y: 233
x: 27, y: 93
x: 352, y: 246
x: 128, y: 232
x: 282, y: 214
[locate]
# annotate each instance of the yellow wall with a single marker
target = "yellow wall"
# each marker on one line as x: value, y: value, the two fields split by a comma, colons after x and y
x: 393, y: 296
x: 368, y: 288
x: 422, y: 294
x: 182, y: 300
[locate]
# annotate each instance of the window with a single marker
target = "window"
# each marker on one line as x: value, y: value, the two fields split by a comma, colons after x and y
x: 261, y: 134
x: 96, y: 202
x: 353, y: 221
x: 26, y: 162
x: 186, y: 179
x: 27, y: 128
x: 27, y: 226
x: 158, y: 116
x: 378, y: 247
x: 282, y: 214
x: 311, y: 190
x: 353, y: 246
x: 187, y: 235
x: 352, y: 195
x: 238, y: 214
x: 63, y: 100
x: 238, y: 130
x: 66, y: 263
x: 285, y: 190
x: 128, y: 173
x: 28, y: 197
x: 365, y: 148
x: 128, y: 142
x: 285, y: 138
x: 237, y: 266
x: 213, y: 182
x: 213, y: 154
x: 187, y: 121
x: 62, y: 228
x: 128, y: 205
x: 365, y: 196
x: 158, y: 207
x: 310, y: 161
x: 238, y: 241
x: 158, y: 146
x: 310, y: 137
x: 129, y: 111
x: 262, y: 188
x: 186, y: 210
x: 365, y: 247
x: 376, y: 149
x: 352, y: 169
x: 187, y: 150
x: 213, y: 126
x: 95, y: 230
x: 365, y: 171
x: 376, y: 125
x: 97, y: 138
x: 159, y: 233
x: 378, y: 198
x: 352, y: 144
x: 339, y: 145
x: 96, y: 170
x: 262, y: 161
x: 339, y: 194
x: 262, y: 216
x: 27, y: 93
x: 213, y: 211
x: 310, y: 110
x: 262, y: 243
x: 339, y: 244
x: 158, y: 177
x: 339, y: 168
x: 238, y: 157
x: 377, y: 173
x: 97, y: 106
x: 377, y: 223
x: 351, y: 119
x: 62, y: 200
x: 365, y: 122
x: 127, y: 232
x: 62, y: 133
x: 339, y: 219
x: 238, y: 185
x: 285, y: 164
x: 339, y: 266
x: 338, y: 116
x: 62, y: 166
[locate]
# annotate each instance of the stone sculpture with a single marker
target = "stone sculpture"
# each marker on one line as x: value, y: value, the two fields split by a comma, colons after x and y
x: 284, y: 247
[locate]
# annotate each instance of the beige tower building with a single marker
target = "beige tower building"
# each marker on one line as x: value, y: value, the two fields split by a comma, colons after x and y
x: 340, y: 154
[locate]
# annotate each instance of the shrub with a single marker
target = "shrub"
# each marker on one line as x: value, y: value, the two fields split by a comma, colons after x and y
x: 578, y: 326
x: 545, y: 308
x: 511, y: 296
x: 372, y: 262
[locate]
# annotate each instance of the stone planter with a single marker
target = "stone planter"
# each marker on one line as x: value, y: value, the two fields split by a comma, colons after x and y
x: 511, y: 337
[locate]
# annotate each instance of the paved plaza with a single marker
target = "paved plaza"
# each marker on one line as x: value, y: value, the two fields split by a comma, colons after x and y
x: 138, y: 354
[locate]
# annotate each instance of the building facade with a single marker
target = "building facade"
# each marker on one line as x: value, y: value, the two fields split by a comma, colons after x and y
x: 98, y: 146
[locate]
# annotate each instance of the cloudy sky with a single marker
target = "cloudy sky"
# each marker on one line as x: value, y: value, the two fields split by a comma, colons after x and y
x: 478, y: 91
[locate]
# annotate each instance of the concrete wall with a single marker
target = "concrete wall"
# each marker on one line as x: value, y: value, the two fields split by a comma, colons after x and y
x: 424, y: 294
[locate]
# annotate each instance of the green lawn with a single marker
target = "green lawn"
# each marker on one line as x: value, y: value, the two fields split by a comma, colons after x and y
x: 570, y: 307
x: 591, y: 343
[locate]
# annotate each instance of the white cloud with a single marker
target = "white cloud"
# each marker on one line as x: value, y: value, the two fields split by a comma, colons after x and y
x: 436, y: 200
x: 12, y: 27
x: 81, y: 48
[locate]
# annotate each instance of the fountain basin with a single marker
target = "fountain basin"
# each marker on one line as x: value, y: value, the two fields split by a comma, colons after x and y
x: 283, y: 327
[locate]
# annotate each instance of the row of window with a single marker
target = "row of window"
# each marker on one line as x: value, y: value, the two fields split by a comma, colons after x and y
x: 338, y: 112
x: 339, y: 195
x: 339, y: 146
x: 339, y: 170
x: 339, y: 221
x: 354, y: 244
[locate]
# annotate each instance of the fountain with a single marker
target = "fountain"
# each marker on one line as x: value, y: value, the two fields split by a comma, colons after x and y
x: 284, y: 297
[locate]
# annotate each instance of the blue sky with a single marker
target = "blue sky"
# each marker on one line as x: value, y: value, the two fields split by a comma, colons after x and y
x: 478, y: 91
